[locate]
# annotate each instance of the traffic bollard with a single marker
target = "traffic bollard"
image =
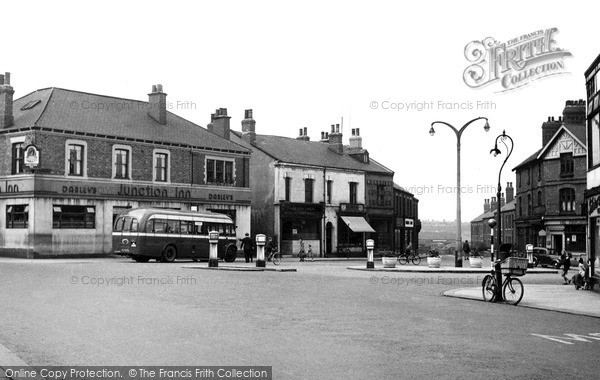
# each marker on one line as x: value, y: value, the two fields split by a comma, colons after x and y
x: 213, y: 239
x: 260, y: 250
x: 370, y: 246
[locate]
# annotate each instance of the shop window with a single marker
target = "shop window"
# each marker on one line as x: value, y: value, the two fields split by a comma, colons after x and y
x: 161, y: 166
x: 17, y: 216
x: 17, y: 158
x: 80, y: 217
x: 121, y: 162
x: 76, y: 158
x: 219, y: 172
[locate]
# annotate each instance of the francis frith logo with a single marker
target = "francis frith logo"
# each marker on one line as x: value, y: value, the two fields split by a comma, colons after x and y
x: 515, y: 63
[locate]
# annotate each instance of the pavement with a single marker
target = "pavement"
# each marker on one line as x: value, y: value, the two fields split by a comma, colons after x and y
x: 561, y: 298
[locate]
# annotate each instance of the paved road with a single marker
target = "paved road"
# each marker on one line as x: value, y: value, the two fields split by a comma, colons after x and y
x: 324, y: 321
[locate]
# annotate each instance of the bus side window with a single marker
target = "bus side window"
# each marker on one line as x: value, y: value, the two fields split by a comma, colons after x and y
x: 198, y: 228
x: 173, y: 226
x: 134, y: 225
x: 119, y: 224
x: 160, y: 226
x: 150, y: 225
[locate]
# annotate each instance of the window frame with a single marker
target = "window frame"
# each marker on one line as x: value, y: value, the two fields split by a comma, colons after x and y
x: 309, y: 190
x: 566, y: 200
x: 353, y: 192
x: 219, y: 171
x: 84, y: 157
x: 87, y: 217
x: 567, y: 164
x: 167, y: 168
x: 128, y: 164
x: 288, y: 189
x: 11, y: 213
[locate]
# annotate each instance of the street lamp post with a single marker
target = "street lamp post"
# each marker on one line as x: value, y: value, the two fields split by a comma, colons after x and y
x: 498, y: 238
x: 458, y: 133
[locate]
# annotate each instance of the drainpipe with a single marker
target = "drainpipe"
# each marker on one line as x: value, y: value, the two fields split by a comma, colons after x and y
x: 323, y: 228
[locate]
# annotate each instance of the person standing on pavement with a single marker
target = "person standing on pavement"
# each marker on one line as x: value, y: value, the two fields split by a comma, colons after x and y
x: 248, y: 246
x: 302, y: 254
x: 578, y: 279
x: 565, y: 260
x: 466, y: 249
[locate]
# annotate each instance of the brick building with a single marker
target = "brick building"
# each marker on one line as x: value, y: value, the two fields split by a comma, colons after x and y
x: 481, y: 232
x: 92, y: 156
x: 407, y: 223
x: 551, y: 183
x: 592, y: 193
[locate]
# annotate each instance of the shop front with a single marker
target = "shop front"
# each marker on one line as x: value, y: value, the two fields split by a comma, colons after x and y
x: 352, y: 228
x: 300, y: 221
x: 47, y: 216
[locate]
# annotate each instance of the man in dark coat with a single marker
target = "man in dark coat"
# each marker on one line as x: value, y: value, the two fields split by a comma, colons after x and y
x: 248, y: 247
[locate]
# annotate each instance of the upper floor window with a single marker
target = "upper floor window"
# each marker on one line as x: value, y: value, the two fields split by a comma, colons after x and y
x: 288, y: 189
x: 567, y: 200
x: 161, y: 165
x: 17, y: 166
x: 528, y: 176
x: 329, y: 190
x: 380, y: 195
x: 566, y: 164
x: 121, y: 162
x: 308, y: 190
x: 529, y: 205
x: 540, y: 172
x: 353, y: 192
x: 539, y: 198
x: 219, y: 171
x: 76, y: 158
x: 520, y: 206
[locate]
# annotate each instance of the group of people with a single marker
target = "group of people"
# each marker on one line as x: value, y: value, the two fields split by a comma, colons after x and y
x: 581, y: 278
x: 248, y: 245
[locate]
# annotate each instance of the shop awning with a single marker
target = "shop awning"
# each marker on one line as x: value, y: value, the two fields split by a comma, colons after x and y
x: 357, y: 224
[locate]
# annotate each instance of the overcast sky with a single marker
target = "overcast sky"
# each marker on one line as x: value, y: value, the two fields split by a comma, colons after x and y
x: 310, y: 64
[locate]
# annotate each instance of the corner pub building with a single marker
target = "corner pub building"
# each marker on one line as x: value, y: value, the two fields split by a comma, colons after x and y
x: 72, y: 161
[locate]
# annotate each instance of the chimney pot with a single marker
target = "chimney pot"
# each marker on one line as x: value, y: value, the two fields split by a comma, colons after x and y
x: 248, y: 114
x: 549, y: 118
x: 337, y: 128
x: 300, y: 132
x: 1, y: 79
x: 153, y: 88
x: 332, y: 128
x: 358, y: 131
x: 305, y: 131
x: 159, y: 88
x: 353, y: 132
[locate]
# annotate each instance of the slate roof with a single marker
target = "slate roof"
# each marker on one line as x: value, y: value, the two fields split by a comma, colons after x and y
x: 529, y: 160
x: 75, y: 111
x: 315, y: 153
x: 490, y: 214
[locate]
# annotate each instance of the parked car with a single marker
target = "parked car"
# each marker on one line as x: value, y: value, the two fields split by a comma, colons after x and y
x: 543, y: 257
x: 546, y: 257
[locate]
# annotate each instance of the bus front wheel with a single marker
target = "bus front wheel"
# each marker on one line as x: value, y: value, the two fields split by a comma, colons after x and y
x: 169, y: 254
x: 231, y: 253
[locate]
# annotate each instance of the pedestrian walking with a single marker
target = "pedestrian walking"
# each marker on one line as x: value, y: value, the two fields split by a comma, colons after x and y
x: 310, y: 253
x: 565, y: 260
x: 302, y: 253
x: 248, y: 247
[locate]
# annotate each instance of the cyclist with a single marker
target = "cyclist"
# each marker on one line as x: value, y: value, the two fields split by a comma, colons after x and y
x: 270, y: 248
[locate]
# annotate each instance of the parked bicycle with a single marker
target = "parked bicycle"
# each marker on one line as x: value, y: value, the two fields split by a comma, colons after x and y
x: 409, y: 256
x: 512, y: 287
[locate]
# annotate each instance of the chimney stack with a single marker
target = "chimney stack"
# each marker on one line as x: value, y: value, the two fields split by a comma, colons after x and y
x: 303, y: 134
x: 335, y: 139
x: 158, y: 104
x: 210, y: 126
x: 510, y: 192
x: 486, y: 205
x: 502, y: 200
x: 249, y: 128
x: 6, y: 101
x: 221, y: 123
x: 574, y: 111
x: 493, y: 204
x: 355, y: 139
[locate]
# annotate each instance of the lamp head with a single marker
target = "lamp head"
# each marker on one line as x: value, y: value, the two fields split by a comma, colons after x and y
x: 431, y: 130
x: 495, y: 151
x: 486, y: 127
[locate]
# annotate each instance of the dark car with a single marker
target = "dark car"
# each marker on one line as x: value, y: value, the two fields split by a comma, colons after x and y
x: 543, y: 257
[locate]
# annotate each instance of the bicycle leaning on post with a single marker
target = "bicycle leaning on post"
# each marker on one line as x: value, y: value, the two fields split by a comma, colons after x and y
x: 512, y: 287
x: 409, y: 256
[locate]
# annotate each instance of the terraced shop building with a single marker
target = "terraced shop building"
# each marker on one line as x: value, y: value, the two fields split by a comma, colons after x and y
x: 72, y: 161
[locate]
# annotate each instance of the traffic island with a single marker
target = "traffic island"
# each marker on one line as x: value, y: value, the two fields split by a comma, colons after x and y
x: 245, y: 269
x: 424, y: 269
